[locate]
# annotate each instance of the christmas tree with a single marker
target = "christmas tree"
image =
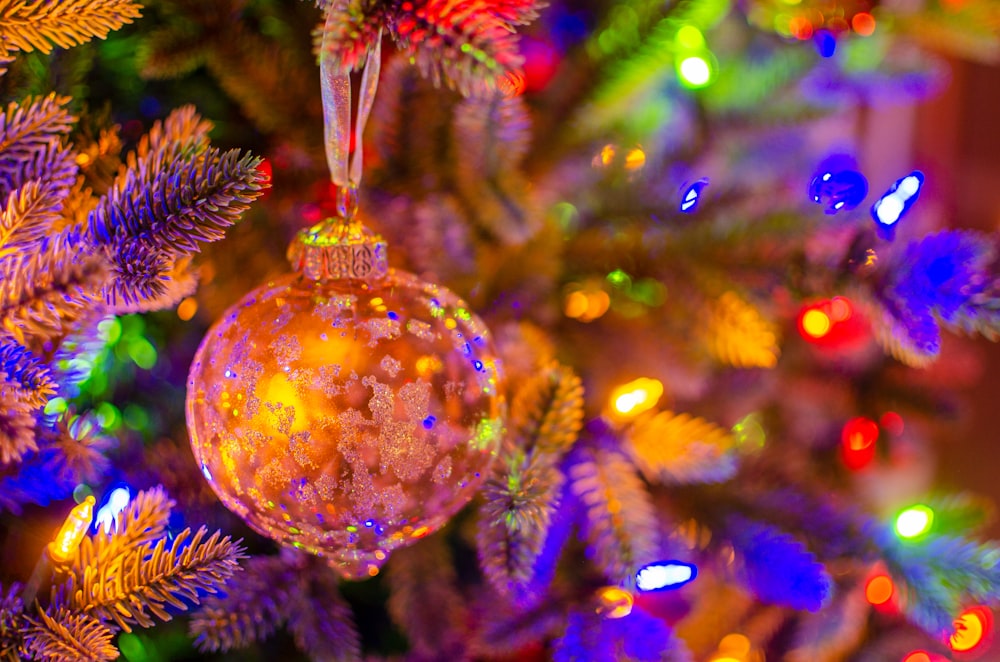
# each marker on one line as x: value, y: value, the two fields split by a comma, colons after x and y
x: 653, y: 362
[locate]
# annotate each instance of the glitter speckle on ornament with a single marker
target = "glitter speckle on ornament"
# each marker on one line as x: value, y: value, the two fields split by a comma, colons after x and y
x: 346, y: 415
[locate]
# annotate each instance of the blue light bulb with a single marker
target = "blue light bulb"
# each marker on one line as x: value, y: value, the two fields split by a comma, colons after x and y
x: 691, y: 196
x: 838, y: 190
x: 896, y: 202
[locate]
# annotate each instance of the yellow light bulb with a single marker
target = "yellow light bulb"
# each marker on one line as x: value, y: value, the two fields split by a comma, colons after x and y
x: 614, y: 602
x: 630, y: 400
x: 63, y: 548
x: 816, y: 323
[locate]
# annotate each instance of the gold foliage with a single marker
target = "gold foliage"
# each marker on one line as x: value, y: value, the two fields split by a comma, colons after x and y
x: 621, y: 524
x: 735, y: 333
x: 680, y: 448
x: 65, y: 635
x: 28, y: 213
x: 27, y: 25
x: 547, y: 411
x: 141, y: 583
x: 41, y: 293
x: 143, y: 520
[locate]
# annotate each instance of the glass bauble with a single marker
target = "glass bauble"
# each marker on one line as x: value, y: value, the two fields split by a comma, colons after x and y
x: 346, y: 416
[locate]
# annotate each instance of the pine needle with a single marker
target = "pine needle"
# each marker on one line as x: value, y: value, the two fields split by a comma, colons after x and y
x: 13, y: 624
x: 547, y: 411
x: 323, y: 624
x: 41, y: 294
x: 620, y: 524
x: 736, y: 333
x: 142, y: 521
x: 682, y: 449
x: 257, y: 602
x: 424, y: 599
x: 514, y: 520
x: 144, y: 582
x: 27, y: 372
x: 65, y: 635
x: 26, y: 25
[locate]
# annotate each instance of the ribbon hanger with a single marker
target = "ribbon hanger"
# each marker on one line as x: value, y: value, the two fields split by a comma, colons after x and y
x: 335, y: 83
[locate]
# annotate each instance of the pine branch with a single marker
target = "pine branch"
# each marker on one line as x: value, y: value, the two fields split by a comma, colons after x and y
x: 26, y: 371
x: 831, y: 634
x: 29, y: 127
x: 171, y: 205
x: 354, y: 28
x: 505, y: 630
x: 425, y: 601
x: 323, y: 624
x: 547, y: 411
x: 777, y: 567
x: 255, y: 605
x: 146, y: 581
x: 638, y: 636
x: 17, y: 423
x: 520, y: 499
x: 943, y: 574
x: 64, y: 635
x: 27, y: 25
x: 463, y: 44
x: 75, y: 448
x: 52, y: 168
x: 26, y: 217
x: 41, y: 294
x: 620, y: 524
x: 143, y: 521
x: 736, y: 333
x: 13, y: 624
x: 178, y: 280
x: 492, y: 132
x: 679, y: 448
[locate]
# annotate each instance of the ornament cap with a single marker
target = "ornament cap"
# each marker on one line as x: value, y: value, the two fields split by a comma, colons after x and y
x: 339, y: 248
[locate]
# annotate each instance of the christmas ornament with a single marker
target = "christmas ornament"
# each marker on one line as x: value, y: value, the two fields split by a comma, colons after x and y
x: 347, y: 408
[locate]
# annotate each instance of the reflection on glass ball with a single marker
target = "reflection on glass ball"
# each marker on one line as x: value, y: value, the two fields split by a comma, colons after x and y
x: 346, y: 417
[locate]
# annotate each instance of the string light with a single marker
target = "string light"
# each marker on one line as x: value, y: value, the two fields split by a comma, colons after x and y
x: 734, y: 647
x: 857, y: 439
x: 63, y: 549
x: 914, y: 522
x: 107, y: 515
x: 665, y: 575
x: 614, y: 602
x: 973, y: 630
x: 691, y: 196
x: 631, y: 399
x: 879, y: 590
x: 892, y: 206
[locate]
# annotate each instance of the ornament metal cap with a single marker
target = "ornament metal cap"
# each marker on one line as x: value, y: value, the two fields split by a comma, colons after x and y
x: 340, y: 248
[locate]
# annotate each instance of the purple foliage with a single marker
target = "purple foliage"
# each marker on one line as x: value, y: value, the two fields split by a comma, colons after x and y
x: 777, y: 567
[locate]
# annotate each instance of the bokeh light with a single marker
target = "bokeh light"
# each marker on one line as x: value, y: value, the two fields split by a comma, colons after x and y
x: 614, y: 602
x: 665, y: 575
x: 857, y: 438
x: 694, y: 71
x: 914, y: 521
x: 631, y: 399
x: 973, y: 630
x: 879, y: 590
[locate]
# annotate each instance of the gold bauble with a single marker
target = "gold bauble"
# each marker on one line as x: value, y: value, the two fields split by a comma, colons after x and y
x: 347, y: 409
